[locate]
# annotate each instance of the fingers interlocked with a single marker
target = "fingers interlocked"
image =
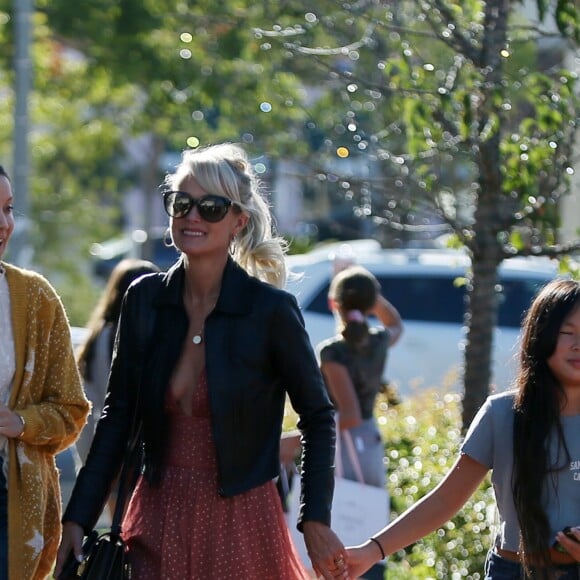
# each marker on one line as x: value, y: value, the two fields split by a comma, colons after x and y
x: 339, y: 567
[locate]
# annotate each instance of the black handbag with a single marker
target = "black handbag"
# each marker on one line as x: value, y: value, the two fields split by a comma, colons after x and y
x: 106, y: 559
x: 105, y: 554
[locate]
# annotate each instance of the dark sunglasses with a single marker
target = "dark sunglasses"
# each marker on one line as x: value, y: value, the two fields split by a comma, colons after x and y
x: 211, y: 208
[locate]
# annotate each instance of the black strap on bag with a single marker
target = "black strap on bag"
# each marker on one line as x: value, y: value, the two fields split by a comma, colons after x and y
x: 128, y: 477
x: 105, y: 556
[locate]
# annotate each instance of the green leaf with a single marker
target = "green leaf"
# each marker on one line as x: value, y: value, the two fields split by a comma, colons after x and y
x: 568, y: 19
x: 542, y: 7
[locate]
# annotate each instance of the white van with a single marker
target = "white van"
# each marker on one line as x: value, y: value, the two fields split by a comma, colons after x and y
x: 425, y: 286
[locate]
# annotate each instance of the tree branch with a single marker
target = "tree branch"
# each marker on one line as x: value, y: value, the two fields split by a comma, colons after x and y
x: 456, y: 41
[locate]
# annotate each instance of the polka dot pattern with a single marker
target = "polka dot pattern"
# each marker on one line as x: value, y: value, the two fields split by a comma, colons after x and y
x: 184, y: 529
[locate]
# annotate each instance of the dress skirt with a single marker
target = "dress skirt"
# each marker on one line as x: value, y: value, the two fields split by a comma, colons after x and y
x: 184, y: 529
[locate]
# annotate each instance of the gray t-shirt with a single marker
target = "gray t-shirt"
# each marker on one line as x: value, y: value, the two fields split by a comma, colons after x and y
x: 489, y: 441
x: 364, y: 364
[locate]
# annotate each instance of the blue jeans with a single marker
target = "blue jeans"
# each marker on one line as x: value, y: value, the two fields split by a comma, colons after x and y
x: 498, y: 568
x: 3, y: 523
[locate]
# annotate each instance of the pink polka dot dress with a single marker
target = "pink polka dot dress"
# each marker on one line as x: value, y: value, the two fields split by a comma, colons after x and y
x: 184, y: 529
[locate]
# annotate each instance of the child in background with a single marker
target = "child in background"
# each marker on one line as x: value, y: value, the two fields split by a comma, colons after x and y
x: 352, y: 364
x: 94, y: 355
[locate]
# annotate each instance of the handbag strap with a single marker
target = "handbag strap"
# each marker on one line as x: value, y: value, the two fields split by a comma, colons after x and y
x: 125, y: 488
x: 127, y: 477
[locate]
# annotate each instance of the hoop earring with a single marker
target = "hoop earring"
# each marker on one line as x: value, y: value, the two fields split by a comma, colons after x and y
x: 167, y: 240
x: 233, y: 246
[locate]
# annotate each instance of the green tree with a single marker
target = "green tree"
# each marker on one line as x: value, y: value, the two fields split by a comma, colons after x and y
x: 196, y: 68
x: 177, y: 75
x: 78, y: 121
x: 451, y: 100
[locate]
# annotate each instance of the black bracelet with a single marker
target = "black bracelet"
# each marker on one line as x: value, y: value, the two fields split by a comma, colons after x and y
x: 383, y: 556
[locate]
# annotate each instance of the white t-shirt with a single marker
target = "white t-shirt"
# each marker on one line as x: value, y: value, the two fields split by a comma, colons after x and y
x: 7, y: 356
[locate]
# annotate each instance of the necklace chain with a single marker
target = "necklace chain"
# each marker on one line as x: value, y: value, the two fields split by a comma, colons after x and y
x: 197, y: 337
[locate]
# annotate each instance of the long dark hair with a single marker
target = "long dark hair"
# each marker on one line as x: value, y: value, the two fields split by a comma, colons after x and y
x: 537, y: 416
x: 108, y: 309
x: 355, y: 292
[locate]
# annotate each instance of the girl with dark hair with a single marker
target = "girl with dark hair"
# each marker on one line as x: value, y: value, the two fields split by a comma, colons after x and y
x: 352, y: 364
x: 42, y: 410
x: 530, y: 439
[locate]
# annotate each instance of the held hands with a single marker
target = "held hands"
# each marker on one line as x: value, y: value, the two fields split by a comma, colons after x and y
x: 11, y: 424
x: 326, y: 551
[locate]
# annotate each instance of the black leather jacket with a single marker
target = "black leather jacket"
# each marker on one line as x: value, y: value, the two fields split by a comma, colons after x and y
x: 256, y: 351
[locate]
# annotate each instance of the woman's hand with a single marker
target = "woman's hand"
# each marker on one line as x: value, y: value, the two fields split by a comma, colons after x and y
x: 571, y: 542
x: 361, y: 558
x: 326, y: 552
x: 72, y: 540
x: 11, y: 424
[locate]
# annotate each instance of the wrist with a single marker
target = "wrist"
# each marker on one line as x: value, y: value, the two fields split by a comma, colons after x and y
x: 378, y: 547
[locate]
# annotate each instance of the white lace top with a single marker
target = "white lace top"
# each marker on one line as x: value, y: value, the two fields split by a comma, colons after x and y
x: 7, y: 357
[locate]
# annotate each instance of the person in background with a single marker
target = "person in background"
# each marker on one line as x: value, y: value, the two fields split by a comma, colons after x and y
x: 94, y: 354
x: 42, y: 410
x: 530, y: 438
x: 227, y: 345
x: 353, y: 363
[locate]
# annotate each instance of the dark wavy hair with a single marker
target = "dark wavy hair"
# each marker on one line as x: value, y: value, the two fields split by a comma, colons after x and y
x: 354, y: 289
x: 108, y: 309
x: 537, y: 416
x: 3, y: 173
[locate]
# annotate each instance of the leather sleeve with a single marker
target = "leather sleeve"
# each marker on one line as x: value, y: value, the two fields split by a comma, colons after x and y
x: 109, y: 445
x: 299, y: 371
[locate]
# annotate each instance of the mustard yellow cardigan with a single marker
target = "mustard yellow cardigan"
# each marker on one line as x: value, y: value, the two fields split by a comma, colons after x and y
x: 47, y: 392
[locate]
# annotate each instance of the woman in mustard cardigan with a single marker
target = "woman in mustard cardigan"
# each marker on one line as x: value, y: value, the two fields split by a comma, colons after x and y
x: 42, y: 410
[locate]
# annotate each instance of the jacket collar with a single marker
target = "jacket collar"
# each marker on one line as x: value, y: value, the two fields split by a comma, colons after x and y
x: 235, y: 294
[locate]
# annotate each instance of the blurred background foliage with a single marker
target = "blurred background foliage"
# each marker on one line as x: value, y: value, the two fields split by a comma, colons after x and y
x: 422, y: 436
x: 470, y: 116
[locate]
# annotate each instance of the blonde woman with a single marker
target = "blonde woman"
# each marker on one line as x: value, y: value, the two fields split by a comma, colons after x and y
x: 227, y: 345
